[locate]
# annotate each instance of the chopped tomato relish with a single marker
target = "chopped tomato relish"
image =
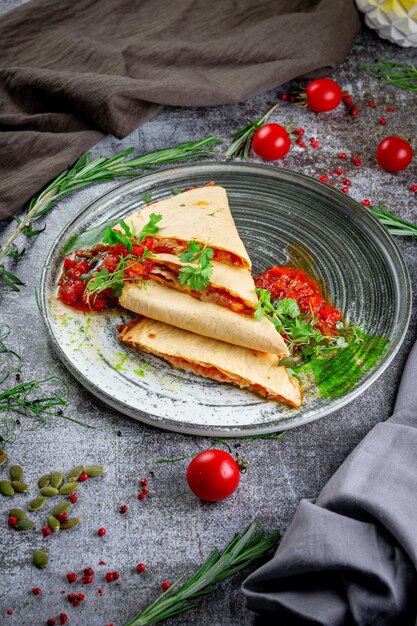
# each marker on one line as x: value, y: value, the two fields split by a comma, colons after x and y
x: 84, y: 265
x: 291, y: 282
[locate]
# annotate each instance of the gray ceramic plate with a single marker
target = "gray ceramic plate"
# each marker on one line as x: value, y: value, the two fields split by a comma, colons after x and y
x: 275, y: 211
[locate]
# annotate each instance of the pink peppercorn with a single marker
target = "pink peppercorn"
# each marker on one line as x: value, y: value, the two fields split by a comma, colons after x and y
x: 72, y: 577
x: 101, y: 532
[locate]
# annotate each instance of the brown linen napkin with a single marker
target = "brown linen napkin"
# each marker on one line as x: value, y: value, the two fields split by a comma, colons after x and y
x: 73, y: 71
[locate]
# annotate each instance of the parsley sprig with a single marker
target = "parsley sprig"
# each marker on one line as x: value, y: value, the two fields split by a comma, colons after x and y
x: 299, y: 329
x: 127, y: 239
x: 197, y: 277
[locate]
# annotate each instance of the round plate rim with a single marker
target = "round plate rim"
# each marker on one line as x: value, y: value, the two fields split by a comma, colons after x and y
x: 242, y: 430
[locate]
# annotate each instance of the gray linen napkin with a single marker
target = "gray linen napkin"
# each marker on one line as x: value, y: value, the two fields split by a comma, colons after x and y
x: 350, y: 557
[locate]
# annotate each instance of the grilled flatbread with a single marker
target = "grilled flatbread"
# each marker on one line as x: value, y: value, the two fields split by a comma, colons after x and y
x: 230, y: 286
x: 202, y: 215
x: 204, y: 318
x: 249, y: 369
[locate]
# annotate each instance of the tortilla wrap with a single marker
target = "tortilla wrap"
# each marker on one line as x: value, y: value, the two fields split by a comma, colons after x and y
x: 214, y: 359
x: 227, y: 279
x: 204, y: 318
x: 201, y: 214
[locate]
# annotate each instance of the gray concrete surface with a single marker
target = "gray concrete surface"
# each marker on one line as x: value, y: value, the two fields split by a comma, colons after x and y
x: 171, y: 531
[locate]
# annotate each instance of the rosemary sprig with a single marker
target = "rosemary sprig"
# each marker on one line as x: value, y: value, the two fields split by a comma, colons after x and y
x: 395, y: 225
x: 243, y: 137
x: 86, y: 172
x: 241, y: 552
x: 400, y: 75
x: 197, y: 277
x: 33, y: 398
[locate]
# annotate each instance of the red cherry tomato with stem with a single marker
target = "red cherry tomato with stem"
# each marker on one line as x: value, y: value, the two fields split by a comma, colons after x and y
x: 394, y: 154
x: 271, y: 142
x: 323, y: 95
x: 213, y: 475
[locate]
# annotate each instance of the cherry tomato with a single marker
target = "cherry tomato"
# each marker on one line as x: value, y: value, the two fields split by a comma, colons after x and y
x: 323, y: 94
x: 394, y: 154
x: 271, y: 142
x: 213, y: 475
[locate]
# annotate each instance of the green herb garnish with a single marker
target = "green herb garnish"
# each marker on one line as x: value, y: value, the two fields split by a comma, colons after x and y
x: 112, y: 237
x: 398, y: 74
x: 36, y: 399
x: 395, y: 225
x: 242, y: 551
x: 243, y: 137
x: 197, y: 277
x: 300, y: 329
x: 104, y: 279
x: 151, y: 227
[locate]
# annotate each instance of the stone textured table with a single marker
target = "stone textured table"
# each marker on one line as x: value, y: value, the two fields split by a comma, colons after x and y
x: 171, y: 531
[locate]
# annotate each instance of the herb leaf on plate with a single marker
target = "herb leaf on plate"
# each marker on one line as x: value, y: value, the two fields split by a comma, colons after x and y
x: 197, y: 277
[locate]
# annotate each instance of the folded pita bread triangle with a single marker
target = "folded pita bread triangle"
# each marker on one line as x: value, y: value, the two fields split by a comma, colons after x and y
x: 230, y: 286
x: 201, y: 214
x: 214, y: 359
x: 161, y: 303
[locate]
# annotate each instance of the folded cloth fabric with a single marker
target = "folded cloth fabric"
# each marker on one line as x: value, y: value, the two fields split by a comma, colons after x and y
x: 350, y: 557
x: 73, y: 71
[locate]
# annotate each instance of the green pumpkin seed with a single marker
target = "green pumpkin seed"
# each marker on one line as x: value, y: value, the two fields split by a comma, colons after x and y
x: 16, y: 472
x: 49, y: 492
x: 3, y: 457
x: 70, y: 523
x: 37, y: 503
x: 53, y: 523
x: 40, y: 559
x: 64, y: 507
x: 6, y: 488
x: 19, y: 486
x: 17, y: 513
x: 75, y: 473
x: 25, y: 524
x: 94, y: 470
x: 68, y: 488
x: 43, y: 481
x: 55, y: 479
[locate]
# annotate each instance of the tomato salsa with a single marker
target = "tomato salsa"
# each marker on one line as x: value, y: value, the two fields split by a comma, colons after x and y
x: 85, y: 265
x: 291, y: 282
